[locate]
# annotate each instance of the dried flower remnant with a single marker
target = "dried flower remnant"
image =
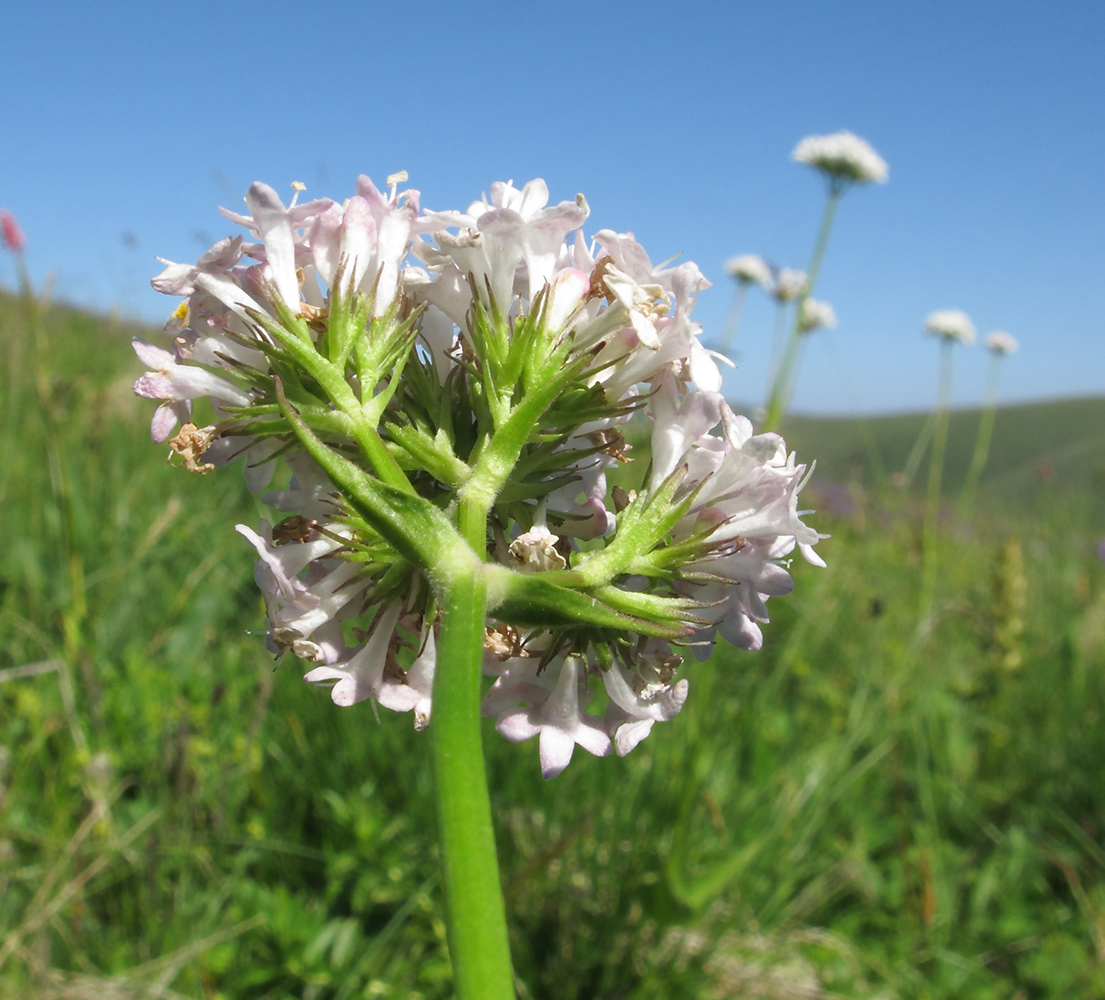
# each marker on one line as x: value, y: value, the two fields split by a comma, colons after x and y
x: 843, y: 157
x: 951, y: 325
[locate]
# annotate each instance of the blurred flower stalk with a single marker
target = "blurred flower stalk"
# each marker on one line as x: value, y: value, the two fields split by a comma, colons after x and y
x: 950, y: 327
x: 449, y: 390
x: 999, y: 344
x: 843, y: 159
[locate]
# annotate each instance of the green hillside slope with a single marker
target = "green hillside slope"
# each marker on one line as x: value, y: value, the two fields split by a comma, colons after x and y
x: 1037, y: 448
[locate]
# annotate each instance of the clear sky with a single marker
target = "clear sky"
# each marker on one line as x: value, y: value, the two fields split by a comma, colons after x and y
x: 124, y: 126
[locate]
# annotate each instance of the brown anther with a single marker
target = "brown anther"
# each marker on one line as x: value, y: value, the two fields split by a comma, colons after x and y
x: 610, y: 442
x: 295, y: 528
x: 190, y: 444
x: 622, y: 499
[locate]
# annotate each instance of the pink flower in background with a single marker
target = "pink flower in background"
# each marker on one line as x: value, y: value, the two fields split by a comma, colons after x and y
x: 10, y: 233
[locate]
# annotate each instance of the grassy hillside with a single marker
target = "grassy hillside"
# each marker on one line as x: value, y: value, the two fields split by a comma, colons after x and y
x: 877, y: 805
x: 1037, y: 448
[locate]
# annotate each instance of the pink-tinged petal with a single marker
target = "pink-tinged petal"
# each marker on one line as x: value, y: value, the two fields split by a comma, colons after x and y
x: 420, y: 677
x: 738, y: 429
x: 517, y: 726
x: 324, y: 238
x: 592, y: 736
x: 330, y: 642
x: 629, y: 734
x: 534, y: 197
x: 166, y: 417
x: 742, y: 632
x: 151, y: 355
x: 275, y: 228
x: 678, y: 425
x: 224, y: 288
x: 810, y: 555
x: 439, y: 333
x: 188, y: 382
x: 703, y: 370
x: 567, y: 292
x: 261, y: 463
x: 362, y: 676
x: 224, y: 254
x: 358, y: 231
x: 499, y: 231
x: 176, y: 279
x: 395, y: 696
x: 556, y: 749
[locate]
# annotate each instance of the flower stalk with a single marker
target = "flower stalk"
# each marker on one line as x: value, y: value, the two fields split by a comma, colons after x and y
x: 478, y: 941
x: 930, y: 531
x: 784, y: 374
x: 843, y: 159
x: 999, y: 344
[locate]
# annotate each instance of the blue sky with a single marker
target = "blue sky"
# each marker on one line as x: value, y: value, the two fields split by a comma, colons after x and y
x: 125, y: 126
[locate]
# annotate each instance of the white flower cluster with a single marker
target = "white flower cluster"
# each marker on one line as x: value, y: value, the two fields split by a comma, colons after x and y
x: 842, y: 156
x: 1000, y: 342
x: 751, y: 269
x: 816, y: 315
x: 337, y: 596
x: 790, y: 284
x: 952, y: 325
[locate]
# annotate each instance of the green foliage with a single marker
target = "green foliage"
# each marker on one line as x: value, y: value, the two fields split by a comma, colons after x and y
x: 869, y: 807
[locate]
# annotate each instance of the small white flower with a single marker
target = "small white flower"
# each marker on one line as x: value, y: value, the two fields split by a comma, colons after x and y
x: 535, y: 550
x: 750, y: 269
x: 843, y: 156
x: 789, y: 284
x: 1001, y: 342
x: 951, y: 324
x: 557, y: 717
x: 816, y: 315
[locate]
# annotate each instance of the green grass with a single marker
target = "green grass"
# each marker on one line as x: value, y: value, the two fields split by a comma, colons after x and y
x: 870, y: 807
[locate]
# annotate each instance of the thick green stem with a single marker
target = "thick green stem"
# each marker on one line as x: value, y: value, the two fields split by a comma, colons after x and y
x: 776, y: 405
x: 985, y: 433
x: 936, y: 471
x: 478, y: 942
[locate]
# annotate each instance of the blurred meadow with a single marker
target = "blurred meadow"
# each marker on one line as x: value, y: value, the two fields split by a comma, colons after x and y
x: 878, y: 804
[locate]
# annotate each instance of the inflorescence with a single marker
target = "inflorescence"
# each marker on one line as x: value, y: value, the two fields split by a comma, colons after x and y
x: 490, y: 359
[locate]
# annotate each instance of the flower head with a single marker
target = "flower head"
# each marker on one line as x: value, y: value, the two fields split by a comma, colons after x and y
x: 843, y: 157
x: 790, y: 283
x: 815, y: 315
x: 1001, y: 343
x: 750, y: 269
x: 10, y: 233
x: 493, y: 357
x: 951, y: 325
